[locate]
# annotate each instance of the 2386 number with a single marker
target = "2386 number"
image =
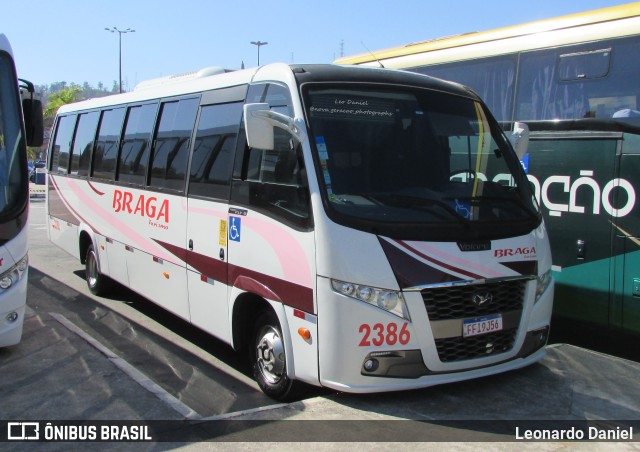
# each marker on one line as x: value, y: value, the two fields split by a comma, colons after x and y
x: 378, y: 334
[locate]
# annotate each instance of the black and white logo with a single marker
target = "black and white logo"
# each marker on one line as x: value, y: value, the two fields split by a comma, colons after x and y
x: 482, y: 298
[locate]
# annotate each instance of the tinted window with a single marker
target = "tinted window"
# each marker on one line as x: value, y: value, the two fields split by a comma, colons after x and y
x: 594, y: 80
x: 584, y: 65
x: 62, y: 144
x: 274, y: 182
x: 415, y: 162
x: 83, y: 143
x: 171, y: 146
x: 276, y: 96
x: 214, y: 149
x: 134, y: 155
x: 14, y: 193
x: 493, y: 79
x: 106, y: 149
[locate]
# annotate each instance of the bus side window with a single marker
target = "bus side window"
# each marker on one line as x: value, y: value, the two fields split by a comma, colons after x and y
x: 106, y: 149
x: 214, y: 149
x: 275, y: 181
x: 83, y: 143
x: 134, y: 153
x: 62, y: 144
x: 171, y: 145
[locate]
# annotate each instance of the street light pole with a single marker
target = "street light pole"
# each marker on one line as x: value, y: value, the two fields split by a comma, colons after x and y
x: 120, y: 32
x: 259, y: 43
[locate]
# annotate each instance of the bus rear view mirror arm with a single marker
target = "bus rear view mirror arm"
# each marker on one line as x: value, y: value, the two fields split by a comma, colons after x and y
x: 519, y: 139
x: 259, y: 124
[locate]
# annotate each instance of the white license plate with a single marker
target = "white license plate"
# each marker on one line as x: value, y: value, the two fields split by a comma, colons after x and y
x: 481, y: 325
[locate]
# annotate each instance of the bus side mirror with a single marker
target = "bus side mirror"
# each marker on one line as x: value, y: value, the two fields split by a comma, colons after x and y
x: 33, y: 121
x: 259, y: 131
x: 519, y: 139
x: 259, y: 122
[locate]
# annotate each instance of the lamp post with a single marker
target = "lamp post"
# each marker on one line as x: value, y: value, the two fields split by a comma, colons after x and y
x: 120, y: 32
x: 259, y: 43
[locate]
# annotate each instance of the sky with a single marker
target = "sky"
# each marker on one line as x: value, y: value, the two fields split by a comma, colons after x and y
x: 66, y: 40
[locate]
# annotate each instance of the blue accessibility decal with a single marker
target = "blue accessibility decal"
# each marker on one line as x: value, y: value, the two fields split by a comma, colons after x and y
x: 235, y: 227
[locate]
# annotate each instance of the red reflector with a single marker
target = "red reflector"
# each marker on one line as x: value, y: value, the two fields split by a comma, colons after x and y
x: 298, y: 313
x: 203, y: 278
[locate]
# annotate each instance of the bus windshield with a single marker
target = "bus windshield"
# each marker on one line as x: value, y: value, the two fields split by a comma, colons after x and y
x: 407, y: 162
x: 12, y: 173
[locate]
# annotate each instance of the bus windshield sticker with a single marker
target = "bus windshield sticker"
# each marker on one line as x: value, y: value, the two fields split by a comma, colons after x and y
x: 235, y: 228
x: 353, y: 108
x: 463, y: 208
x: 525, y: 163
x: 321, y: 146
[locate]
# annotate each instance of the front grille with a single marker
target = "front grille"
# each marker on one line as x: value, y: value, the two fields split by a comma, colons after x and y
x: 444, y: 303
x: 461, y: 348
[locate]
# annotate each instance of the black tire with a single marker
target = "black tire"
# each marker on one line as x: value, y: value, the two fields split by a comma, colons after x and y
x: 269, y: 359
x: 97, y: 283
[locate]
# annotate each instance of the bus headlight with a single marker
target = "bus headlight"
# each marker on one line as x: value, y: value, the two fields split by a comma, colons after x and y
x: 14, y: 274
x: 542, y: 284
x: 389, y: 300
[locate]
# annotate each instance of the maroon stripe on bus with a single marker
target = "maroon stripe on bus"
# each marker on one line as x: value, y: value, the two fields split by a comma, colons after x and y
x: 452, y: 268
x: 290, y: 294
x: 411, y: 272
x: 286, y: 292
x: 101, y: 193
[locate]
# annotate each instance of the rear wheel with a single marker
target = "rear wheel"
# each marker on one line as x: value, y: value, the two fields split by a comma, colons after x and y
x: 269, y: 359
x: 96, y: 281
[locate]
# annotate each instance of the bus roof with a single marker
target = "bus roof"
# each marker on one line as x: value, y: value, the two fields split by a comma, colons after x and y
x: 558, y: 23
x: 215, y: 78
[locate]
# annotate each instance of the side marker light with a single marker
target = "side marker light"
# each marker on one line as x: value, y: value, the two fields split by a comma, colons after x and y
x: 304, y: 333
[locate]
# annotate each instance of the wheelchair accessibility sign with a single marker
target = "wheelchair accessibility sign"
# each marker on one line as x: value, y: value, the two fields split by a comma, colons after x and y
x: 235, y: 228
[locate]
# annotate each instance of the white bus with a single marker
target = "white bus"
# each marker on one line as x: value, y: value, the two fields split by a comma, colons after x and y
x: 14, y: 192
x: 354, y: 228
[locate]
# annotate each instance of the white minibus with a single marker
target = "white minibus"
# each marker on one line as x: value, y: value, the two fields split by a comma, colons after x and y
x: 355, y: 228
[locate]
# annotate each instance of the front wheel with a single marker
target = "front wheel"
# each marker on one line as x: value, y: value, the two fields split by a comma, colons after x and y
x: 96, y: 281
x: 269, y: 359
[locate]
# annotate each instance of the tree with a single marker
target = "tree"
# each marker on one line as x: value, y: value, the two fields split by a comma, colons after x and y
x: 65, y: 96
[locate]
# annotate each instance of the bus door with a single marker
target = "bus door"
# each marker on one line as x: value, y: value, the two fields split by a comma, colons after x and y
x: 570, y: 172
x: 627, y: 236
x: 208, y: 216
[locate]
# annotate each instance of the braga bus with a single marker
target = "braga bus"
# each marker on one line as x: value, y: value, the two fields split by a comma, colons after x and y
x: 355, y: 228
x: 575, y: 81
x: 20, y: 125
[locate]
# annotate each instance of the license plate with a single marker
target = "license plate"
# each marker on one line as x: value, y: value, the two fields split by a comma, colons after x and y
x: 481, y: 325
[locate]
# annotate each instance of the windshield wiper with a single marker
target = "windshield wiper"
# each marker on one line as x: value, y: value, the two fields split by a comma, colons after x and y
x: 494, y: 199
x: 397, y: 200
